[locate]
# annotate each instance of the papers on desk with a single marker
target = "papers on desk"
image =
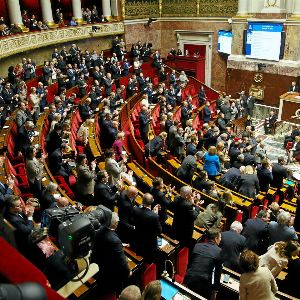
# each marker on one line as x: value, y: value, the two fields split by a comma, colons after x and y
x: 56, y: 196
x: 297, y: 97
x: 163, y: 243
x: 296, y: 175
x: 36, y: 133
x: 5, y: 127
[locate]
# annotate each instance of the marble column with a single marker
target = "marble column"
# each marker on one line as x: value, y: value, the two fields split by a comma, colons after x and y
x: 114, y: 8
x: 289, y: 6
x: 296, y: 10
x: 77, y: 13
x: 47, y: 13
x: 106, y: 9
x: 14, y: 12
x: 242, y: 8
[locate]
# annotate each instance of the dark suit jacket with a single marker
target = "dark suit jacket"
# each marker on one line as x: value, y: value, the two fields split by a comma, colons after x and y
x: 144, y: 122
x: 232, y: 245
x: 206, y: 114
x: 255, y: 231
x: 191, y: 149
x: 279, y: 172
x: 84, y: 111
x: 183, y: 221
x: 105, y: 195
x: 249, y: 185
x: 53, y: 141
x: 23, y: 228
x: 279, y: 233
x: 294, y: 89
x: 187, y: 169
x: 265, y: 178
x: 5, y: 191
x: 155, y: 146
x: 109, y: 255
x: 55, y: 161
x: 147, y: 228
x: 126, y: 216
x: 185, y: 115
x: 205, y: 258
x: 161, y: 199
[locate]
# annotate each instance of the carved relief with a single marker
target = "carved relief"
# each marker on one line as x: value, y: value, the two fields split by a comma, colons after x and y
x: 19, y: 43
x: 218, y: 8
x: 179, y: 8
x: 141, y: 9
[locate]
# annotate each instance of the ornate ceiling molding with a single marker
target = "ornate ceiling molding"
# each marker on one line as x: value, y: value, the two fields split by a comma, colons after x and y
x: 19, y: 43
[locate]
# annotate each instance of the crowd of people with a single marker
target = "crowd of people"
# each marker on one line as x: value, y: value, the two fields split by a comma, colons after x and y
x: 239, y: 163
x: 32, y: 23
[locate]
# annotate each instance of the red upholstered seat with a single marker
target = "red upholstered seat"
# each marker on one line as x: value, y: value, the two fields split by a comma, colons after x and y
x: 16, y: 269
x: 72, y: 180
x: 149, y: 274
x: 254, y: 211
x: 239, y: 216
x: 181, y: 264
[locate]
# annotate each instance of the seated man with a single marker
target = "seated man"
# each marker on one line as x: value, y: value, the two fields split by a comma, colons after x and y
x: 21, y: 218
x: 270, y: 122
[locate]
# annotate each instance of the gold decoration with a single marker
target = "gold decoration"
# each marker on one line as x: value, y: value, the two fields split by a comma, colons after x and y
x: 181, y: 8
x: 257, y: 91
x: 258, y: 77
x: 24, y: 42
x: 141, y: 9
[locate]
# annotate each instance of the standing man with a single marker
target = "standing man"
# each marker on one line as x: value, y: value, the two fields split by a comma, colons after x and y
x: 294, y: 88
x: 144, y: 121
x: 205, y: 266
x: 147, y: 228
x: 109, y: 255
x: 185, y: 213
x: 232, y: 245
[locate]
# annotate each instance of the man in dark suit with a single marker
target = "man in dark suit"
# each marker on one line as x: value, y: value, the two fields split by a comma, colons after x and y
x: 142, y: 82
x: 185, y: 114
x: 256, y: 231
x: 191, y: 148
x: 279, y: 172
x: 221, y: 122
x: 156, y: 145
x: 281, y: 230
x: 205, y: 266
x: 126, y: 203
x: 250, y: 105
x: 232, y: 244
x: 85, y: 110
x: 179, y: 143
x: 104, y: 193
x: 185, y: 213
x: 294, y: 88
x: 249, y: 159
x: 108, y: 253
x: 108, y: 82
x: 206, y: 113
x: 22, y: 220
x: 144, y: 121
x: 53, y: 139
x: 56, y: 164
x: 270, y: 123
x: 5, y: 189
x: 147, y: 229
x: 188, y: 167
x: 161, y: 198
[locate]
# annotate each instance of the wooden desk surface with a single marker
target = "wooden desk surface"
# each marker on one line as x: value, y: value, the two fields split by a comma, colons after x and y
x: 238, y: 200
x: 290, y: 96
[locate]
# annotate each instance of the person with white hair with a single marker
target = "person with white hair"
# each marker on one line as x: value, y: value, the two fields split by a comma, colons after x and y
x: 232, y: 244
x: 108, y: 253
x: 282, y: 230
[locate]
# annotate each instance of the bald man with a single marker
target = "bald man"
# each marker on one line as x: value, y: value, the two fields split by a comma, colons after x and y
x: 125, y: 210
